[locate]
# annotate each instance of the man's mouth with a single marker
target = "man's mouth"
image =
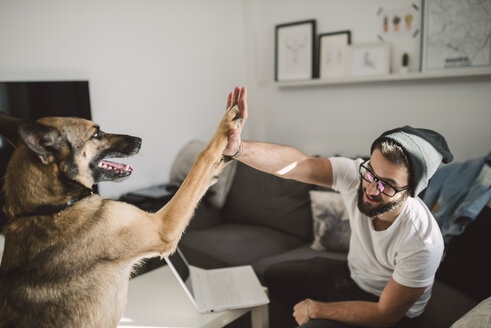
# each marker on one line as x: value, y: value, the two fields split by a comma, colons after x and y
x: 115, y: 169
x: 370, y: 199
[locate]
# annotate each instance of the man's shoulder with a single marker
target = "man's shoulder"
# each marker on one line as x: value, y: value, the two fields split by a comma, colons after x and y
x: 345, y: 162
x: 345, y: 173
x: 420, y: 225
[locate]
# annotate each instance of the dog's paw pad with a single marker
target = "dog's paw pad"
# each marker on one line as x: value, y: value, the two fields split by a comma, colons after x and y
x: 235, y: 124
x: 233, y: 113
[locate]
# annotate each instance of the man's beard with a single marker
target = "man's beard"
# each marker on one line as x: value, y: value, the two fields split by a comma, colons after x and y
x: 380, y: 209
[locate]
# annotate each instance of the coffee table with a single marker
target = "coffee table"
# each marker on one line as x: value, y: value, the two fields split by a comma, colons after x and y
x: 155, y: 299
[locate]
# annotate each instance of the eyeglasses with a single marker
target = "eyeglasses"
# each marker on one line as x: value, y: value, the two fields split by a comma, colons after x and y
x: 384, y: 187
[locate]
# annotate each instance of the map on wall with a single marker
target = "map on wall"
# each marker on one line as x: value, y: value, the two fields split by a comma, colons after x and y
x: 456, y: 34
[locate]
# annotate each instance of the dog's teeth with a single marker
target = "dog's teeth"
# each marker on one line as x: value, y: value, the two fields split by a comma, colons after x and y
x: 127, y: 167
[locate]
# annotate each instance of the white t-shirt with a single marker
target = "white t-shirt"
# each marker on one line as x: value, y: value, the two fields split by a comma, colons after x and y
x: 409, y: 251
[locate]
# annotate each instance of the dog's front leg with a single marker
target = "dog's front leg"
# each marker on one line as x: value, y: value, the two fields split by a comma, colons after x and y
x: 176, y: 214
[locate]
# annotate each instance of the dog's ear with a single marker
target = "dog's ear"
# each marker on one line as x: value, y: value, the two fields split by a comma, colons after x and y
x: 9, y: 127
x: 44, y: 140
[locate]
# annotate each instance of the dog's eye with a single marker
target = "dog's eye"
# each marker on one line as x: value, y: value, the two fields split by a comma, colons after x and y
x: 98, y: 135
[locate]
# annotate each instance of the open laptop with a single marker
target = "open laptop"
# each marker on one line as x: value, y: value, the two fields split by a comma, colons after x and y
x: 218, y: 289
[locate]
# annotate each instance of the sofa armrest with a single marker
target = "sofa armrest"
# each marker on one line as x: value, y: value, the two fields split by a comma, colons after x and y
x: 479, y: 316
x: 446, y: 306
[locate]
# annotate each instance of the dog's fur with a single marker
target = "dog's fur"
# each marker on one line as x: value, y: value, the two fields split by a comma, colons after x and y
x: 69, y: 253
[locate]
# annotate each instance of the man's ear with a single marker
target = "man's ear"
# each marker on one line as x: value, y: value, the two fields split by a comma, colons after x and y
x: 9, y: 127
x: 45, y: 141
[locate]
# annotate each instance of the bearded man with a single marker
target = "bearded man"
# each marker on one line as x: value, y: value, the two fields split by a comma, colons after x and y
x: 395, y: 246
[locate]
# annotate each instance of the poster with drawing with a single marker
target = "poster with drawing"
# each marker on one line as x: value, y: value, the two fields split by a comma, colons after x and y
x: 370, y: 59
x: 401, y: 26
x: 333, y: 48
x: 294, y: 51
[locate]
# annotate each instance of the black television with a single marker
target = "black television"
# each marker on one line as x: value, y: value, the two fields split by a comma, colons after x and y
x: 33, y: 100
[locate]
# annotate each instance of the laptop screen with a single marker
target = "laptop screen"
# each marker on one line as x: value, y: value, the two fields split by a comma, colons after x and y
x: 181, y: 267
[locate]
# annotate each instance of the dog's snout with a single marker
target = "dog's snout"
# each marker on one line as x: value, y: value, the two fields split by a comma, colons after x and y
x: 128, y: 145
x: 137, y: 142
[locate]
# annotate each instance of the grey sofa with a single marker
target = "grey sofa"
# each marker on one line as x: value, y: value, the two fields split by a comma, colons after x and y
x: 264, y: 220
x: 250, y: 217
x: 267, y: 220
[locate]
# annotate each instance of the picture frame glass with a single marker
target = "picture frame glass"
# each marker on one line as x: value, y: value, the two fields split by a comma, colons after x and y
x: 332, y: 54
x: 294, y: 52
x: 450, y: 41
x: 370, y: 59
x: 401, y: 26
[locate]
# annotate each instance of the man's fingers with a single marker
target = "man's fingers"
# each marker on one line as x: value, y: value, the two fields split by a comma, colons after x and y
x: 236, y: 96
x: 243, y: 103
x: 243, y: 109
x: 229, y: 100
x: 243, y: 93
x: 233, y: 97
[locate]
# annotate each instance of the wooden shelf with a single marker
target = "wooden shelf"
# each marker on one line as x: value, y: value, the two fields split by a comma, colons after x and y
x: 471, y: 73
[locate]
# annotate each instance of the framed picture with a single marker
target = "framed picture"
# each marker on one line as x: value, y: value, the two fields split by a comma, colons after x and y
x: 456, y: 34
x: 294, y: 51
x: 400, y: 25
x: 370, y: 58
x: 333, y: 49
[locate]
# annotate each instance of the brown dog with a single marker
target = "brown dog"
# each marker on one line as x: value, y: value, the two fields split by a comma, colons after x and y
x: 68, y: 252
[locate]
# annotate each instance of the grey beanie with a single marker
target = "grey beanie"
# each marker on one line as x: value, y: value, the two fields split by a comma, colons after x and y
x: 425, y: 150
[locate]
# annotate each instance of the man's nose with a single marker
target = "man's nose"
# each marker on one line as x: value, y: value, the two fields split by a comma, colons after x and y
x: 372, y: 188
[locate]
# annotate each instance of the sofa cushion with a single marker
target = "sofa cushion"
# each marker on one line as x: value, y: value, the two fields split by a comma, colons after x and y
x: 304, y: 252
x: 234, y: 244
x: 206, y: 215
x: 184, y: 161
x: 331, y: 223
x: 263, y: 199
x: 445, y: 306
x: 464, y: 266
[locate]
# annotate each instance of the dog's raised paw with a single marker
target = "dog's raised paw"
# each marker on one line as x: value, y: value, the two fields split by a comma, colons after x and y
x: 233, y: 118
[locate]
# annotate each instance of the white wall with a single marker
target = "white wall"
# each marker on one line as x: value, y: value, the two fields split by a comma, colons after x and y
x: 345, y: 119
x: 158, y: 69
x: 161, y: 70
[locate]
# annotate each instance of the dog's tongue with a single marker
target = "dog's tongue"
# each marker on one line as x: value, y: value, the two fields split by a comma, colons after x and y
x: 116, y: 166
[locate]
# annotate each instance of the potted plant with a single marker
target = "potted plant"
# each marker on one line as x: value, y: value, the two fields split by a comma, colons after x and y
x: 409, y: 20
x: 405, y: 63
x: 396, y: 20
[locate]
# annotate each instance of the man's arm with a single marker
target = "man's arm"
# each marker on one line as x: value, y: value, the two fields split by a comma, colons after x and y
x: 394, y: 302
x: 282, y: 161
x: 286, y: 162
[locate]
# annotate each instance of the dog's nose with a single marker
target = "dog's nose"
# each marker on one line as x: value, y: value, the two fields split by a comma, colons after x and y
x: 137, y: 143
